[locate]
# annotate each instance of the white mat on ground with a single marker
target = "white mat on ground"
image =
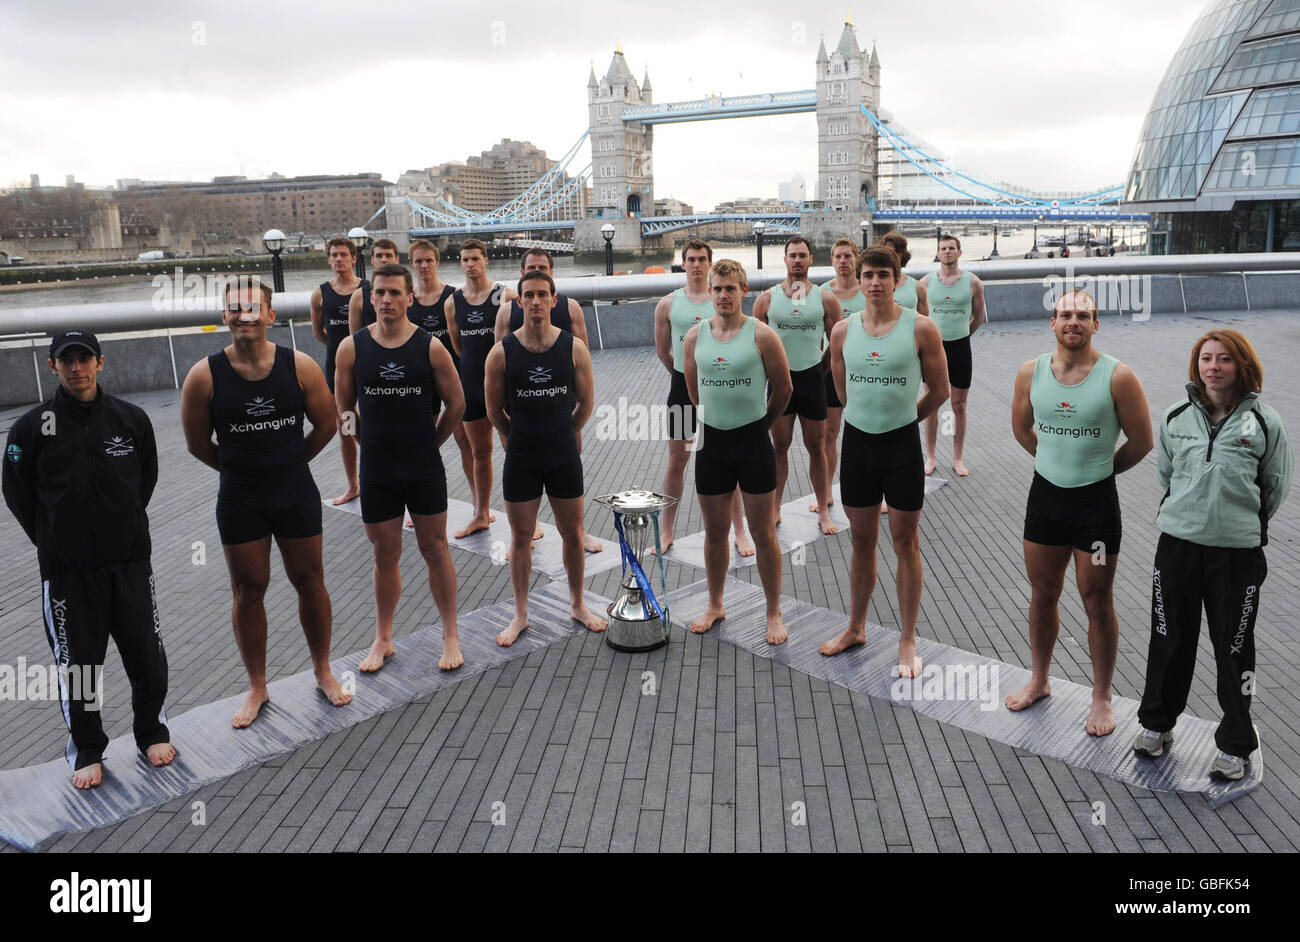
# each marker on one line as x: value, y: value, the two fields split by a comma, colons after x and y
x: 39, y: 802
x: 548, y: 552
x: 798, y: 525
x: 967, y: 692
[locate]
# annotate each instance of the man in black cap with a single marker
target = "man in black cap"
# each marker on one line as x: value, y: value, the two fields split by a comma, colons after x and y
x: 79, y: 470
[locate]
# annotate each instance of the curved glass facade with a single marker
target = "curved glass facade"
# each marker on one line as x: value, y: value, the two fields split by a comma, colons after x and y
x: 1218, y: 159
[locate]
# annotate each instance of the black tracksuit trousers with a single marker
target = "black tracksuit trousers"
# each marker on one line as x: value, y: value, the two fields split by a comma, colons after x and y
x: 1226, y: 581
x: 82, y: 610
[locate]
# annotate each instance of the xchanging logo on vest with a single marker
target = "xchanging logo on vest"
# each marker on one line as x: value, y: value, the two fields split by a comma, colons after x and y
x: 548, y: 393
x: 269, y: 425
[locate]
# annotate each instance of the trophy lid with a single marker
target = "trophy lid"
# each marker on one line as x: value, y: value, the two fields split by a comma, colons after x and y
x: 636, y: 500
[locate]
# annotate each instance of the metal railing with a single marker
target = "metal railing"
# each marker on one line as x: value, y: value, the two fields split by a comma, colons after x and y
x: 146, y: 314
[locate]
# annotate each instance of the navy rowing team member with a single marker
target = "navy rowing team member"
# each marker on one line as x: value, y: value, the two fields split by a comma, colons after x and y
x: 79, y: 470
x: 539, y: 393
x: 1225, y: 465
x: 675, y: 315
x: 254, y: 395
x: 802, y: 315
x: 329, y: 323
x: 1067, y: 411
x: 566, y: 314
x: 401, y: 376
x: 879, y: 358
x: 471, y: 320
x: 732, y: 360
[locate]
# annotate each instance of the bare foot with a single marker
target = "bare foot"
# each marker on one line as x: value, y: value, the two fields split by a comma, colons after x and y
x: 591, y: 544
x: 380, y: 651
x: 813, y: 508
x: 1101, y: 721
x: 667, y: 547
x: 884, y: 508
x: 708, y: 620
x: 160, y: 754
x: 828, y: 526
x: 88, y: 777
x: 408, y: 523
x: 252, y: 706
x: 512, y: 632
x: 586, y: 617
x: 333, y: 690
x: 960, y: 467
x: 909, y: 664
x: 930, y: 464
x: 1027, y: 695
x: 451, y: 657
x: 744, y: 546
x: 776, y: 629
x: 351, y: 493
x: 538, y: 533
x: 848, y: 639
x: 777, y: 522
x: 474, y: 526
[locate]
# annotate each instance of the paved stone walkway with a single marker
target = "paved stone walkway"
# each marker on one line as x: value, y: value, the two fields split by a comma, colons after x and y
x: 583, y: 757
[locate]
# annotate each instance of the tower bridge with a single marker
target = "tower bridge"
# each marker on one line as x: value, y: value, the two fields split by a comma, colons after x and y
x: 852, y: 128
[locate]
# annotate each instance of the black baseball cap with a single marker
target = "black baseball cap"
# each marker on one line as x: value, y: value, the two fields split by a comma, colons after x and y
x: 74, y: 338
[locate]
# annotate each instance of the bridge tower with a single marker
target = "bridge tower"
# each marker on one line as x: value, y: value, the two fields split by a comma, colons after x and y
x: 846, y: 141
x: 621, y: 179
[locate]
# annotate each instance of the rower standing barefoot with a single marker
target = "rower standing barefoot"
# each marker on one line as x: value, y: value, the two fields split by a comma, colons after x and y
x: 538, y: 392
x: 879, y: 358
x: 728, y: 358
x: 254, y: 396
x: 471, y: 322
x: 329, y: 324
x: 1068, y: 410
x: 956, y: 301
x: 802, y: 314
x: 675, y: 315
x: 400, y: 375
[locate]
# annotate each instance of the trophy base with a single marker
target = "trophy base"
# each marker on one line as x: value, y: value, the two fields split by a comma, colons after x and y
x: 634, y: 636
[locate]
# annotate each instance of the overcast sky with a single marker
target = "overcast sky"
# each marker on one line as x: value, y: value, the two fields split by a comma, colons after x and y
x: 1041, y: 94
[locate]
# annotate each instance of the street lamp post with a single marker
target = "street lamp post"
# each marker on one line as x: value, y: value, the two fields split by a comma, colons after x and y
x: 607, y: 231
x: 866, y: 228
x: 994, y: 253
x: 759, y: 229
x: 362, y: 239
x: 938, y: 237
x: 273, y: 240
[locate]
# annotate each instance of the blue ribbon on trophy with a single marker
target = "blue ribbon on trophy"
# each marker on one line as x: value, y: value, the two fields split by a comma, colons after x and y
x: 638, y: 617
x: 631, y: 562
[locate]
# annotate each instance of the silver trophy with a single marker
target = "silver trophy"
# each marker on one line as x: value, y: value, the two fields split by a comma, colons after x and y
x: 638, y: 619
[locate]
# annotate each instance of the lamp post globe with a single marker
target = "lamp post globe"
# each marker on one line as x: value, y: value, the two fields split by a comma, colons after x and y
x: 273, y: 240
x: 607, y: 233
x: 362, y: 238
x: 759, y: 228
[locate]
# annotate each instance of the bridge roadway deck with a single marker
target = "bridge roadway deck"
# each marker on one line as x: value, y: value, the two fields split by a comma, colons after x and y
x: 715, y: 760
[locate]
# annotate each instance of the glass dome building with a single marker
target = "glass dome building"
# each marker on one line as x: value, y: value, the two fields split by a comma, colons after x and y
x: 1218, y: 160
